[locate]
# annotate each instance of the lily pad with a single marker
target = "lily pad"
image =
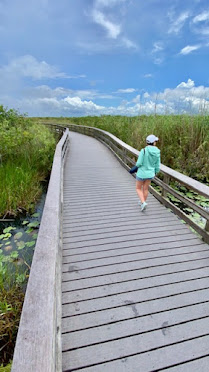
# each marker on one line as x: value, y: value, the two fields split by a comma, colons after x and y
x: 188, y: 209
x: 18, y: 235
x: 36, y: 214
x: 8, y: 229
x: 14, y: 254
x: 33, y: 224
x: 25, y: 222
x: 8, y: 248
x: 28, y: 231
x: 30, y: 244
x: 20, y: 245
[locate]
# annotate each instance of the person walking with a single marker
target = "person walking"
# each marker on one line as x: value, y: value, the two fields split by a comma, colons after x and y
x: 148, y: 164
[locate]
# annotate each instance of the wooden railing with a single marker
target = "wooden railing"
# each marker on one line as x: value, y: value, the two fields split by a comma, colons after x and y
x: 128, y: 155
x: 38, y: 344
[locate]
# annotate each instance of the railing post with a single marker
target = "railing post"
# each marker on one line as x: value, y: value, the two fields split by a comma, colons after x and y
x: 166, y: 179
x: 207, y: 226
x: 124, y: 155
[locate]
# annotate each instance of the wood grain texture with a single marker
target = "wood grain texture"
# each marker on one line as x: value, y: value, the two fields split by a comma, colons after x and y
x: 135, y: 285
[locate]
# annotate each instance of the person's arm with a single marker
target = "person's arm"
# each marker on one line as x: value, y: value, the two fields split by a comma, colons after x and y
x: 157, y: 166
x: 140, y: 159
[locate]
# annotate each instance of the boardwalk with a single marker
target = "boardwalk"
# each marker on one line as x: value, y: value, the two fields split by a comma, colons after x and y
x: 135, y: 286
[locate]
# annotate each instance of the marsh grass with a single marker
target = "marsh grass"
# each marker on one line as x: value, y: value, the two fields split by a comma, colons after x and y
x: 184, y: 139
x: 20, y: 187
x: 6, y: 368
x: 26, y: 154
x: 11, y: 301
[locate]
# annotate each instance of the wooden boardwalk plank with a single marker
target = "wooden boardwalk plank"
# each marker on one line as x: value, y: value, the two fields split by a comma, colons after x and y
x: 138, y: 344
x: 137, y: 325
x: 159, y: 359
x: 135, y: 285
x: 70, y: 296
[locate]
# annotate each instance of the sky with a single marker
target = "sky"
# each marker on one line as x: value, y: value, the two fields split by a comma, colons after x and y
x: 104, y: 57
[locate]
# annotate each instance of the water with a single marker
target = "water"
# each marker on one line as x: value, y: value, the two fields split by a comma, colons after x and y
x: 193, y: 196
x: 18, y: 237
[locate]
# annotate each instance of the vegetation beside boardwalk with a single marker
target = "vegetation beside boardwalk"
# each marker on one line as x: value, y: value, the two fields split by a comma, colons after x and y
x: 26, y: 153
x: 184, y: 139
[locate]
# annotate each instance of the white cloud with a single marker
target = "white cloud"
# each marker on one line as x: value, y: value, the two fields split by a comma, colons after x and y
x: 147, y: 76
x: 146, y: 95
x: 128, y: 43
x: 189, y: 84
x: 128, y: 90
x: 112, y: 29
x: 157, y: 47
x: 103, y: 15
x: 204, y: 16
x: 77, y: 104
x: 178, y: 23
x: 108, y: 3
x: 29, y: 66
x: 137, y: 99
x: 204, y: 31
x: 44, y: 91
x: 158, y: 60
x: 189, y: 48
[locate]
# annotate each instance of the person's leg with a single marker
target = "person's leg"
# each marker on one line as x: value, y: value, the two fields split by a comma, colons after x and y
x: 146, y: 189
x: 139, y: 190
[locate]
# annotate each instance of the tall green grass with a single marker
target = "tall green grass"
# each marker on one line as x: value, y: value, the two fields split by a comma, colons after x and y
x: 20, y: 187
x: 184, y: 139
x: 26, y: 154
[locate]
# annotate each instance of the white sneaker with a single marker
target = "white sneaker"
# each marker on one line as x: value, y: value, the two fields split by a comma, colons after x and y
x: 143, y: 206
x: 139, y: 203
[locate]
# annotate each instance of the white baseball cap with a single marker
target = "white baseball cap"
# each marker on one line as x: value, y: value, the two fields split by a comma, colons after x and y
x: 152, y: 138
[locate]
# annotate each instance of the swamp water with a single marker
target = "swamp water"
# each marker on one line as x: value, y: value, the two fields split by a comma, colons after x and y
x: 17, y: 242
x: 193, y: 196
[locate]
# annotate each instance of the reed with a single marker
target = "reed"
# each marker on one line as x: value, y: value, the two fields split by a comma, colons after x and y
x: 184, y: 139
x: 26, y: 154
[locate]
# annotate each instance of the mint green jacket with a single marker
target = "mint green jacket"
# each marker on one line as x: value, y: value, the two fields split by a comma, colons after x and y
x: 148, y: 162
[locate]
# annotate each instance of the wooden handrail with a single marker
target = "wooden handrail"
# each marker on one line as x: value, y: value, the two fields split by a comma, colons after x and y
x: 38, y: 344
x: 128, y: 155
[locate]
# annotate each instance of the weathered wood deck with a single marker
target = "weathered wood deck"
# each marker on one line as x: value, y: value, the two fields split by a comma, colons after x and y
x: 135, y: 286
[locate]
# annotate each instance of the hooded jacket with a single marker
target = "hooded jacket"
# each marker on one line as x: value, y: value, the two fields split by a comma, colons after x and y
x: 148, y: 162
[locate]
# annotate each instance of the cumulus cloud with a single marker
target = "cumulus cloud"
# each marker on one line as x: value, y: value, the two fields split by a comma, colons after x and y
x: 178, y: 23
x: 76, y: 104
x: 137, y: 99
x: 189, y: 84
x: 29, y: 66
x: 189, y: 48
x: 186, y: 98
x: 45, y: 101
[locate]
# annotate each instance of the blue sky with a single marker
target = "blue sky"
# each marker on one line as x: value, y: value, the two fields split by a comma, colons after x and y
x: 96, y: 57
